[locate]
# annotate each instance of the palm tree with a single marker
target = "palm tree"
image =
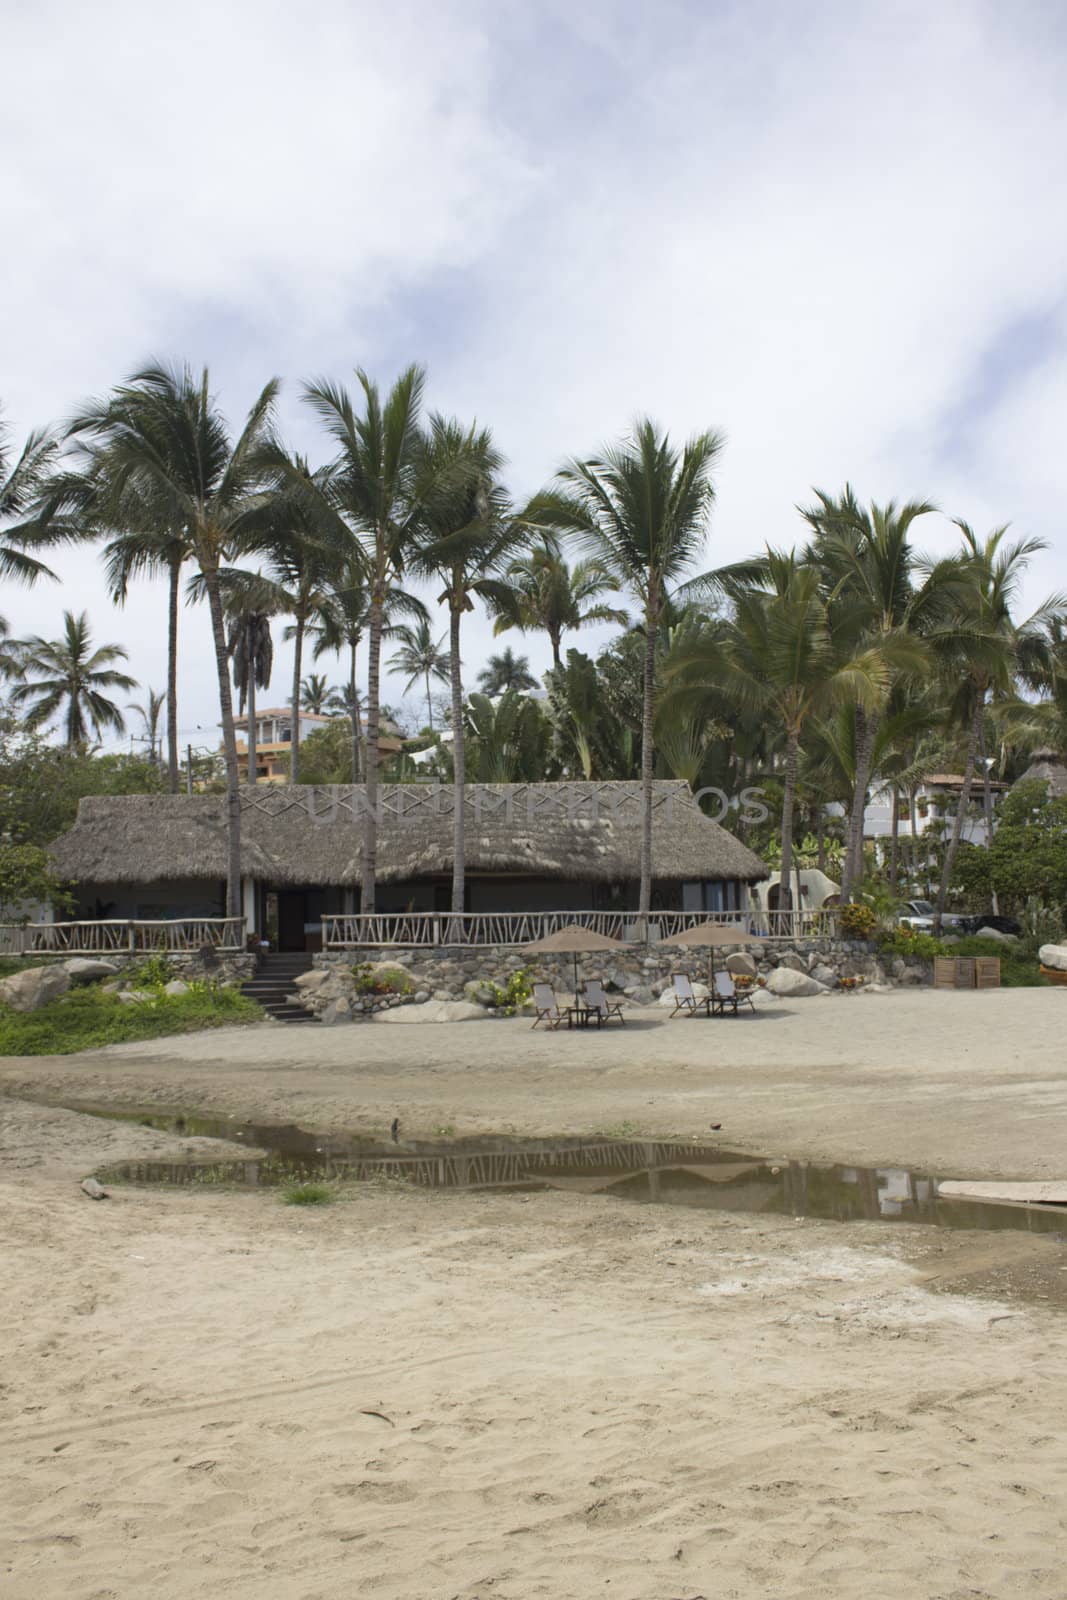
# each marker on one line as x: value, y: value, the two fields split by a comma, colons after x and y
x: 150, y: 710
x: 372, y: 488
x: 421, y: 656
x: 160, y: 456
x: 506, y: 671
x: 27, y: 514
x: 315, y: 693
x: 464, y: 540
x: 544, y: 592
x: 639, y: 510
x: 147, y: 553
x: 868, y: 569
x: 981, y: 649
x: 252, y: 650
x: 71, y: 674
x: 777, y: 655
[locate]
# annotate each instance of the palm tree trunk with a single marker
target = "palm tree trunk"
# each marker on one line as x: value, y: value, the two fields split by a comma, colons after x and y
x: 913, y: 823
x: 894, y: 845
x: 647, y: 753
x: 961, y: 811
x: 554, y: 639
x: 174, y: 582
x: 370, y: 831
x: 866, y: 728
x: 353, y: 712
x: 459, y: 772
x: 785, y: 879
x: 253, y: 752
x: 987, y: 811
x: 298, y: 663
x: 429, y: 702
x: 229, y: 745
x: 820, y: 839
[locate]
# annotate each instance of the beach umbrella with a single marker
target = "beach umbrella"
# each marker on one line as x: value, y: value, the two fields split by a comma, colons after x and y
x: 712, y: 936
x: 575, y: 941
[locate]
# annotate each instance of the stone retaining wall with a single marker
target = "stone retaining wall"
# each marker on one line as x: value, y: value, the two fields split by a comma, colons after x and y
x: 641, y: 973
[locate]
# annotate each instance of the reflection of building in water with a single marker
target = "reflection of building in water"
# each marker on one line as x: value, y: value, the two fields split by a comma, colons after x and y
x: 894, y: 1190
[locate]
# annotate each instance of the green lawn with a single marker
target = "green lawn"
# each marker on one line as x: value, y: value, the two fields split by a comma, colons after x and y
x: 86, y: 1018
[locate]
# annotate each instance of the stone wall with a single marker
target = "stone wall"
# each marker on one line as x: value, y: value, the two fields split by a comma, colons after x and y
x: 232, y: 967
x: 640, y: 973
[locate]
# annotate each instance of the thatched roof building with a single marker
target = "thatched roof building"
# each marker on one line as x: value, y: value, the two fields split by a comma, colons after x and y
x: 1047, y: 768
x: 311, y: 836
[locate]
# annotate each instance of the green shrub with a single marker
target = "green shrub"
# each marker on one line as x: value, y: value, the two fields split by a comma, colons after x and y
x: 1019, y: 967
x: 86, y: 1018
x: 857, y: 921
x: 308, y: 1194
x: 153, y: 972
x: 912, y: 944
x: 384, y: 980
x: 514, y: 995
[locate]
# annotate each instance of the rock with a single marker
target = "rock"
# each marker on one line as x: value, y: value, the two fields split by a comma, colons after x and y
x: 436, y: 1011
x: 85, y: 969
x: 641, y: 996
x: 877, y: 988
x: 825, y: 975
x: 135, y: 997
x: 422, y: 996
x: 995, y: 933
x: 175, y: 987
x: 479, y: 992
x: 912, y: 975
x: 94, y: 1190
x: 441, y: 994
x: 741, y: 965
x: 336, y: 1011
x: 1050, y: 955
x: 311, y: 981
x: 793, y: 962
x: 787, y: 981
x: 29, y: 990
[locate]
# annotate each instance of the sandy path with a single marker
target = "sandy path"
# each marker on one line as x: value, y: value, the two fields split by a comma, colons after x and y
x: 583, y: 1397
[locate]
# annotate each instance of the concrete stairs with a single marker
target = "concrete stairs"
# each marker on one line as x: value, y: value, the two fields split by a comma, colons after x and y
x: 272, y: 983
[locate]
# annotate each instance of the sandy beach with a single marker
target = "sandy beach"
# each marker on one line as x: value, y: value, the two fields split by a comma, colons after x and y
x: 496, y: 1396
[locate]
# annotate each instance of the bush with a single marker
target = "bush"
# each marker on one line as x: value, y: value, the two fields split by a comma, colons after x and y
x: 153, y: 972
x: 387, y: 980
x: 1019, y: 966
x: 307, y: 1194
x: 514, y: 995
x: 857, y: 921
x: 912, y: 944
x: 86, y: 1018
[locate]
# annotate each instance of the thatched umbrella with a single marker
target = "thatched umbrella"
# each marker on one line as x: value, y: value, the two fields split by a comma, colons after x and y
x: 711, y: 936
x: 573, y: 940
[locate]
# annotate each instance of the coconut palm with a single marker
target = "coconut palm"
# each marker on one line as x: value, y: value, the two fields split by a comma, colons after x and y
x: 374, y: 488
x: 151, y: 553
x: 28, y: 514
x: 158, y: 455
x: 505, y: 672
x: 71, y: 682
x: 777, y: 655
x: 639, y: 510
x: 465, y: 539
x: 150, y: 710
x: 315, y: 693
x: 982, y: 647
x: 420, y: 656
x: 869, y: 570
x: 543, y: 592
x: 252, y: 650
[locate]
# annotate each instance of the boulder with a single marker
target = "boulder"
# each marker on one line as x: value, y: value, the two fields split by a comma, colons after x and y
x: 422, y: 996
x: 741, y: 965
x: 35, y: 987
x: 175, y: 987
x: 788, y: 982
x: 135, y: 997
x: 479, y: 992
x: 336, y: 1011
x: 824, y: 974
x: 87, y: 969
x: 913, y: 976
x: 639, y: 995
x: 310, y: 981
x: 793, y: 962
x: 436, y: 1011
x: 1050, y: 955
x: 995, y: 933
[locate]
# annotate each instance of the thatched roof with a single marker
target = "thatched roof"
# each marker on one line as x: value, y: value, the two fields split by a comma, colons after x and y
x: 314, y: 834
x: 1047, y: 768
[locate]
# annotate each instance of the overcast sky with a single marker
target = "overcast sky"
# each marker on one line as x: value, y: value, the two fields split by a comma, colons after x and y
x: 837, y: 231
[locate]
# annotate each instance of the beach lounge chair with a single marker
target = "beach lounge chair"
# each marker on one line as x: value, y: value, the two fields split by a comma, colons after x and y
x: 546, y: 1007
x: 685, y: 1000
x: 727, y: 994
x: 597, y: 1000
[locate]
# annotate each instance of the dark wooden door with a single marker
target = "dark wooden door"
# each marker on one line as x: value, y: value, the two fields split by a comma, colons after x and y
x: 292, y: 906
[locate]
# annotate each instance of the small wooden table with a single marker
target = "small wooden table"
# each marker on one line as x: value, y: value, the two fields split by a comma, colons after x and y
x: 583, y: 1016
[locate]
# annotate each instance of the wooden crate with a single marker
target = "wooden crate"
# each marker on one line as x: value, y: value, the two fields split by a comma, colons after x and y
x: 987, y: 972
x: 957, y: 972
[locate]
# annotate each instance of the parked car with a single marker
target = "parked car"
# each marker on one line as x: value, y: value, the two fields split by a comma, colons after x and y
x: 922, y: 914
x: 998, y: 924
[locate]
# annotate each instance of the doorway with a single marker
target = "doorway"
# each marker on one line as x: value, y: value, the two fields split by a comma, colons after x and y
x: 292, y: 914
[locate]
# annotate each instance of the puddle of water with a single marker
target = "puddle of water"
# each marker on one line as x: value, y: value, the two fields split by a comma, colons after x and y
x: 647, y: 1172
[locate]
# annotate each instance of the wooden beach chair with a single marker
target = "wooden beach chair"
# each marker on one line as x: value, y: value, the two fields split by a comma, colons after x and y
x: 727, y: 994
x: 685, y: 1000
x: 597, y: 1000
x: 546, y: 1006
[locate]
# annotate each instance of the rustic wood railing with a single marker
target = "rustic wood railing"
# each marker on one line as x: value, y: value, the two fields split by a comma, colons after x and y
x: 122, y: 938
x: 480, y: 928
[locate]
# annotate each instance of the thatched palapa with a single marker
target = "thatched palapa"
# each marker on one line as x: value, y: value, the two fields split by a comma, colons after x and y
x: 313, y: 836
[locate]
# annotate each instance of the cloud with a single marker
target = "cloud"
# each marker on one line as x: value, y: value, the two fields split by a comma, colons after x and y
x: 835, y: 231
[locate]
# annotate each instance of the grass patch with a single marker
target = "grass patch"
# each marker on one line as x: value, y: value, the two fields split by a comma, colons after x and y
x: 308, y: 1194
x: 1019, y: 968
x: 86, y: 1018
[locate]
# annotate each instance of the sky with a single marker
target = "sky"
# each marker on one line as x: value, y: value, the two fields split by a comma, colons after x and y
x: 837, y: 232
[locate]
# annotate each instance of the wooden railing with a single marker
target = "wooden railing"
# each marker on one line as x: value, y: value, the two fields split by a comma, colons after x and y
x: 122, y: 938
x: 430, y: 928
